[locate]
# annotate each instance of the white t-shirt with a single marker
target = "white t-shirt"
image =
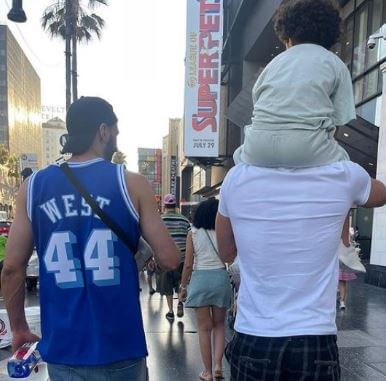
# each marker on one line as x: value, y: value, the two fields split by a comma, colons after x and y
x: 305, y: 87
x: 205, y: 250
x: 287, y: 225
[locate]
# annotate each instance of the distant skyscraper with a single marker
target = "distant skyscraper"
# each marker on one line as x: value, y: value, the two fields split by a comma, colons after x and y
x: 170, y: 159
x: 20, y: 100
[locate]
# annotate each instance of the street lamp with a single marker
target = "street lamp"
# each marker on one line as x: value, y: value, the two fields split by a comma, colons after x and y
x: 17, y: 13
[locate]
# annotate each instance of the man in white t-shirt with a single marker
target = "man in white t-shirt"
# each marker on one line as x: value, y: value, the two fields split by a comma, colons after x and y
x: 285, y: 226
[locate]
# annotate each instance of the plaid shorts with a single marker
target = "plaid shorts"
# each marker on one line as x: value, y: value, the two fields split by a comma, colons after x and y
x: 307, y: 358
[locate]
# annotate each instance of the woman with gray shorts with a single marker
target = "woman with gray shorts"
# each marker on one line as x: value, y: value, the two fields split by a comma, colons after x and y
x: 209, y: 291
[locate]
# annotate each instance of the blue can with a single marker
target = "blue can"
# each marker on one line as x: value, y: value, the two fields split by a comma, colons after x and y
x: 23, y: 361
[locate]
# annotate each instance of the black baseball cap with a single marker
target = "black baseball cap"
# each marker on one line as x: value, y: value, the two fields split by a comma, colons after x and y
x: 84, y: 117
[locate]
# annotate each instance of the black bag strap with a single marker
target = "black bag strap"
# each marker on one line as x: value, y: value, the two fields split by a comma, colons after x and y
x: 211, y: 242
x: 105, y: 218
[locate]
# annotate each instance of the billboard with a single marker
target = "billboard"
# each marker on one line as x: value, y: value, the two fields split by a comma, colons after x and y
x: 173, y: 175
x: 203, y: 78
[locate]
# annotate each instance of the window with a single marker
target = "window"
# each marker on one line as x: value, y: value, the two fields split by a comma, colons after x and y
x: 368, y: 111
x: 347, y: 42
x: 360, y: 40
x: 367, y: 86
x: 367, y: 18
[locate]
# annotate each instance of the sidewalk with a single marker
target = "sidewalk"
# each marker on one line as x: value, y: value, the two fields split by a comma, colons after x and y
x: 362, y: 333
x: 174, y: 351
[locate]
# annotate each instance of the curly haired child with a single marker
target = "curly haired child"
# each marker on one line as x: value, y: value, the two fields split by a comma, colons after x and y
x: 302, y: 95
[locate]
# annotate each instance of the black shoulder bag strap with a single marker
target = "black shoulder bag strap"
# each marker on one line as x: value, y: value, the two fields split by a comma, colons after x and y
x: 105, y: 218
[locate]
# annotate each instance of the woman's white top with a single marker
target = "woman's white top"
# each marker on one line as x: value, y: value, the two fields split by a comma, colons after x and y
x: 205, y: 250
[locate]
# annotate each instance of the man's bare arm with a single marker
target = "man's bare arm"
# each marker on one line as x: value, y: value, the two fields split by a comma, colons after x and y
x: 153, y: 229
x: 377, y: 195
x: 13, y: 275
x: 225, y: 239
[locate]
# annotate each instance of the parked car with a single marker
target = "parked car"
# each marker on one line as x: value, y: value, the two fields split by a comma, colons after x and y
x: 4, y: 227
x: 32, y: 272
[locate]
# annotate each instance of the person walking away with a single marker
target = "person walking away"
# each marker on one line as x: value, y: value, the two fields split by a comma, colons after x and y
x: 285, y: 227
x: 209, y: 291
x: 345, y: 275
x: 145, y: 249
x: 91, y: 319
x: 178, y: 227
x: 298, y: 108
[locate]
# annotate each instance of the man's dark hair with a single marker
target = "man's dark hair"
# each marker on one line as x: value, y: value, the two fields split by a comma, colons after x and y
x: 205, y: 216
x: 83, y: 120
x: 308, y: 21
x: 25, y: 173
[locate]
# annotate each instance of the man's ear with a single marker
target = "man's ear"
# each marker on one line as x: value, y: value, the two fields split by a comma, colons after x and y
x: 104, y: 132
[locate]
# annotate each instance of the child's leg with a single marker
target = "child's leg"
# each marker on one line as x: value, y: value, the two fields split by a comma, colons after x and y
x: 342, y: 290
x: 292, y: 148
x: 346, y: 232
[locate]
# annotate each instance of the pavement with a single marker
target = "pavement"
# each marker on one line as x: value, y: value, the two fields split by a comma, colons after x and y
x: 174, y: 351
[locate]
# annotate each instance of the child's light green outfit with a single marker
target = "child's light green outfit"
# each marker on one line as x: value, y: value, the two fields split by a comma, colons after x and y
x: 299, y: 99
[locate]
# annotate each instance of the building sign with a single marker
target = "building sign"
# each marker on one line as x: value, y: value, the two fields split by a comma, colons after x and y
x: 29, y: 160
x: 173, y: 175
x: 51, y: 112
x: 203, y: 78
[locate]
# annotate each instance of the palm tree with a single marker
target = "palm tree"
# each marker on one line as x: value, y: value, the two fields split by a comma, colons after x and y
x: 70, y: 20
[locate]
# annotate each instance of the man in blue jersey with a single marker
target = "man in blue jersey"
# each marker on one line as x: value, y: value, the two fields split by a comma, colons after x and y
x: 89, y: 292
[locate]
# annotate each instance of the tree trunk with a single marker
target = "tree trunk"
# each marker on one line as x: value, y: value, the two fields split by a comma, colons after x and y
x: 74, y: 68
x: 68, y: 53
x: 74, y: 25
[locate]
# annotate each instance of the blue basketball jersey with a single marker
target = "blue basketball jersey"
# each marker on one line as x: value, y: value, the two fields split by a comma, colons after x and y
x: 89, y: 289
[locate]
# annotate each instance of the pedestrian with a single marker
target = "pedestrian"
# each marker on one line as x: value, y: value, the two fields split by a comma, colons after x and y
x: 209, y: 291
x: 169, y: 281
x: 25, y: 173
x: 287, y: 225
x: 298, y: 108
x: 146, y: 251
x: 3, y: 244
x: 91, y: 320
x: 345, y: 275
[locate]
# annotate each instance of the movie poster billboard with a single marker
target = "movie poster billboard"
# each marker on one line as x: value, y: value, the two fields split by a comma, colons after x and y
x: 203, y: 78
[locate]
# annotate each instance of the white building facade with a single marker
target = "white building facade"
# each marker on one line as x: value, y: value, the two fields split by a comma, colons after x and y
x: 53, y: 129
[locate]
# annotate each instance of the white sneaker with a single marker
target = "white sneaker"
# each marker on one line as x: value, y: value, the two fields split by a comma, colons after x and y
x: 349, y: 257
x: 342, y: 305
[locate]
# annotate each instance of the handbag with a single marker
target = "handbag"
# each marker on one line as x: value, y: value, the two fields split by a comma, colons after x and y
x: 141, y: 256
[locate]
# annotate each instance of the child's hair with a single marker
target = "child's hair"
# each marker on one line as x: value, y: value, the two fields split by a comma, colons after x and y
x: 308, y: 21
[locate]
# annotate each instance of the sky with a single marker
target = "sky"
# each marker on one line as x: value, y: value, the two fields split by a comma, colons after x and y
x: 138, y: 65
